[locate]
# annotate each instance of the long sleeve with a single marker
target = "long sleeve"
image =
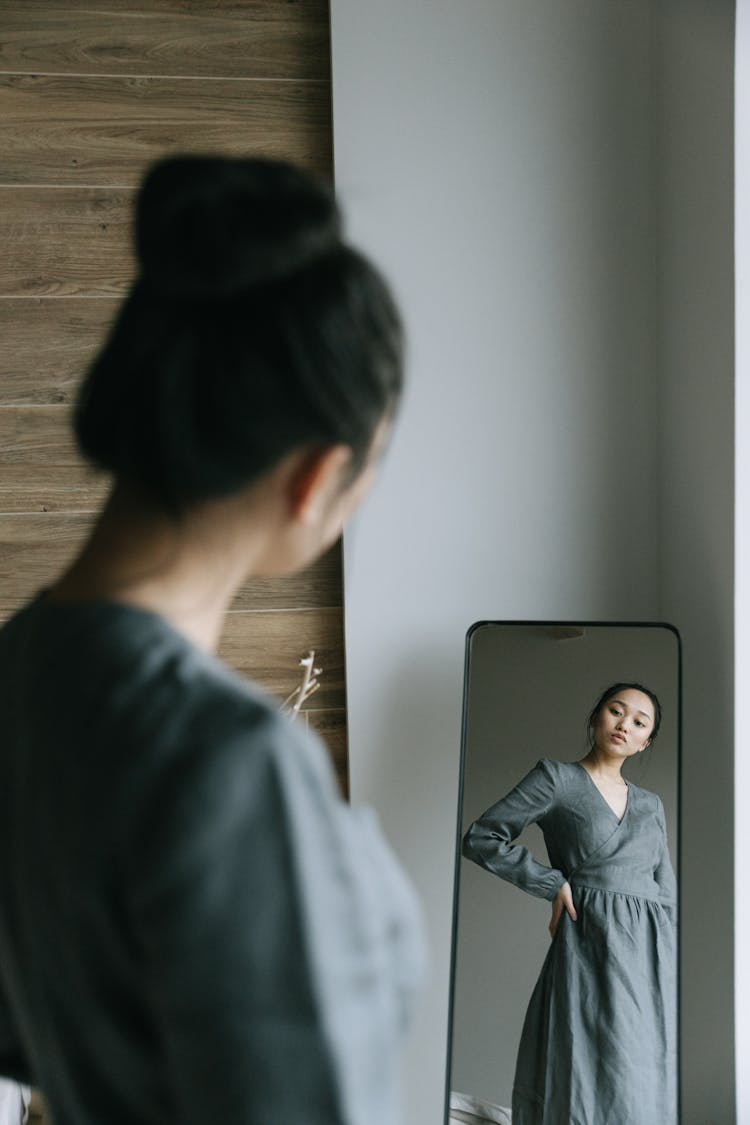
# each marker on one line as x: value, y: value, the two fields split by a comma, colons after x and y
x: 214, y: 906
x: 275, y: 939
x: 488, y: 841
x: 663, y: 871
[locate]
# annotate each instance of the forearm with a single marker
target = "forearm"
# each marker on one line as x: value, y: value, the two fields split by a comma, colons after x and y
x: 511, y: 862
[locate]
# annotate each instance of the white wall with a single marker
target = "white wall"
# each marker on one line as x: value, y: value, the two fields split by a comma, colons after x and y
x: 499, y: 158
x: 495, y: 159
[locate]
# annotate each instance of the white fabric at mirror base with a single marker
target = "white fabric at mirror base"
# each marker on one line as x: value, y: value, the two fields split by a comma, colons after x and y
x: 14, y: 1103
x: 472, y: 1111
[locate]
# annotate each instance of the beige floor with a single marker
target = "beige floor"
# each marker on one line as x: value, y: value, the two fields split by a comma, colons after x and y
x: 36, y: 1109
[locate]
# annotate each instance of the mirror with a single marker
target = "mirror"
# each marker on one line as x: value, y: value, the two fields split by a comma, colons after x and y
x: 585, y: 1022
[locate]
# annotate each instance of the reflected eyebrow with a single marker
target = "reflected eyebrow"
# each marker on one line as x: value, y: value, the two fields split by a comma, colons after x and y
x: 644, y: 713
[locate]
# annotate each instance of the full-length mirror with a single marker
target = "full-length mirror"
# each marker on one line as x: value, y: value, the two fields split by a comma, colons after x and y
x: 564, y: 968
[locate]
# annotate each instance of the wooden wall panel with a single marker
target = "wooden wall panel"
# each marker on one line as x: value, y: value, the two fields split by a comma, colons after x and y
x: 65, y: 241
x: 330, y: 725
x: 47, y: 344
x: 131, y: 121
x: 40, y: 469
x: 33, y: 547
x: 265, y: 39
x: 90, y: 93
x: 275, y: 640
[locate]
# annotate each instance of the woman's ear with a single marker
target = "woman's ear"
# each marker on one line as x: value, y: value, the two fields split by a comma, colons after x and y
x: 316, y: 479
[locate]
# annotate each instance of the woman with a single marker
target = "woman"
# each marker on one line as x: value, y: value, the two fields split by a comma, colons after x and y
x: 193, y: 927
x: 599, y: 1039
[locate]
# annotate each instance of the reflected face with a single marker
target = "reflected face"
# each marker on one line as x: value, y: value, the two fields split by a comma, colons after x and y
x: 624, y: 723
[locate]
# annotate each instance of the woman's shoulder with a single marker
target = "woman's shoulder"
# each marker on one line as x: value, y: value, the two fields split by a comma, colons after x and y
x: 560, y: 776
x: 164, y: 705
x: 647, y: 798
x: 218, y: 749
x: 232, y: 723
x: 562, y: 772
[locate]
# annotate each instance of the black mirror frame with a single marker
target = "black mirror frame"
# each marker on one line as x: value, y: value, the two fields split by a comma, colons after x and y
x: 457, y: 856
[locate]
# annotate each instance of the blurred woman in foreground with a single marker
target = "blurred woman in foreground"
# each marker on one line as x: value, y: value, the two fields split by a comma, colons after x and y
x: 193, y: 927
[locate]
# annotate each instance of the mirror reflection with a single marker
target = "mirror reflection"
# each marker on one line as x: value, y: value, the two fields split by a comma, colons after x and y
x: 565, y: 958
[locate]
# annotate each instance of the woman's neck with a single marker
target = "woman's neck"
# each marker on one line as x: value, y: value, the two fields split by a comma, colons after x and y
x: 601, y: 765
x: 186, y: 570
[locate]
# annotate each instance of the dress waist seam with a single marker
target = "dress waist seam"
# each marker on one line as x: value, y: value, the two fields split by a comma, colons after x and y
x: 628, y: 894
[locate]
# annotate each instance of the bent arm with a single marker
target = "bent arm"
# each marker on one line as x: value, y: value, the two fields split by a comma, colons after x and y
x: 277, y: 938
x: 663, y: 871
x: 215, y: 910
x: 488, y: 841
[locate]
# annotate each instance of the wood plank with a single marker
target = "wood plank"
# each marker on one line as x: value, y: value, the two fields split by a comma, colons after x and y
x: 244, y: 39
x: 330, y: 726
x: 317, y: 586
x: 37, y: 1110
x: 71, y: 130
x: 48, y: 345
x: 33, y: 551
x: 31, y: 488
x: 37, y: 435
x: 36, y: 545
x: 65, y: 242
x: 267, y: 647
x: 40, y: 467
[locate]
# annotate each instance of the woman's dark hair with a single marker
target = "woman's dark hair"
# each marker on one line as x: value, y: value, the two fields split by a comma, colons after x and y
x: 613, y: 690
x: 251, y: 328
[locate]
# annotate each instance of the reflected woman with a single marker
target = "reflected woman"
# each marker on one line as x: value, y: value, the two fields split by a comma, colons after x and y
x: 599, y: 1038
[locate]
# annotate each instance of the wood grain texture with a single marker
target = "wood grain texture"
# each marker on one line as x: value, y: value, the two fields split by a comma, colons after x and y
x: 258, y: 39
x: 72, y: 130
x: 30, y: 489
x: 65, y: 241
x: 40, y: 468
x: 33, y: 550
x: 47, y: 346
x: 267, y: 647
x: 330, y: 726
x: 319, y: 586
x: 37, y: 435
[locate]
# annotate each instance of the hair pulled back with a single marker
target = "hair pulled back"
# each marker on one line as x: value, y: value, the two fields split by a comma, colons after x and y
x: 252, y: 328
x: 615, y: 689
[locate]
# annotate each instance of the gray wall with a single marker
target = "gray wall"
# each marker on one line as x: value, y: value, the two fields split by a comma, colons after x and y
x: 502, y: 159
x: 694, y: 103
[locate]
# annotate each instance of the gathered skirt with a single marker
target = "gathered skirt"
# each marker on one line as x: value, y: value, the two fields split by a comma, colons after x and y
x: 599, y: 1042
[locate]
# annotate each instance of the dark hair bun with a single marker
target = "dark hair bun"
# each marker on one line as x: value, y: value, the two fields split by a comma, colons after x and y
x: 209, y: 227
x: 253, y: 329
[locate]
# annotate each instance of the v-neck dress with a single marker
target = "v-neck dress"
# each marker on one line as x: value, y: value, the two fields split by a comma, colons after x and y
x: 599, y: 1042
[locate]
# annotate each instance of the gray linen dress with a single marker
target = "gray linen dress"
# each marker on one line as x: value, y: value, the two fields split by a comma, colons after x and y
x: 194, y: 927
x: 598, y: 1045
